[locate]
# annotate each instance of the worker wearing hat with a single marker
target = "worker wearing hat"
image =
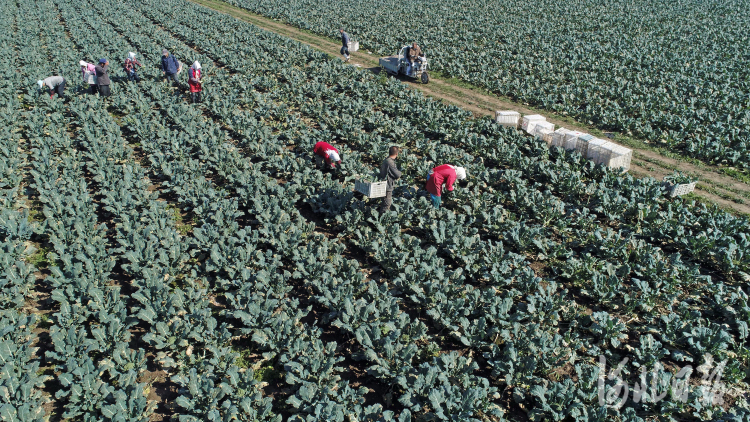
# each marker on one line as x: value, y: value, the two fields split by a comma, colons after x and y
x: 54, y: 84
x: 445, y: 174
x: 327, y: 156
x: 170, y: 66
x: 102, y: 77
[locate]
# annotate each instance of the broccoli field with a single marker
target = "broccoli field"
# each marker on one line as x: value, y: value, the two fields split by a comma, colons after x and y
x: 675, y: 74
x: 162, y: 260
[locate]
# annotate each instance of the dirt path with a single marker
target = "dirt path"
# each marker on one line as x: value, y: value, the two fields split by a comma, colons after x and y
x: 716, y: 187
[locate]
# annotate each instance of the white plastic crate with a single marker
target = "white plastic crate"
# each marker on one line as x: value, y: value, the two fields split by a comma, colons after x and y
x: 679, y: 190
x: 618, y: 157
x: 531, y: 118
x: 534, y: 126
x: 598, y: 150
x: 508, y: 118
x: 558, y: 137
x: 544, y: 134
x: 370, y: 189
x: 353, y: 46
x: 571, y: 139
x: 582, y: 143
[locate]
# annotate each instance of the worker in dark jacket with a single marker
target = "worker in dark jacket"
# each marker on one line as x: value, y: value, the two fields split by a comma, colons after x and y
x: 327, y: 156
x: 445, y: 174
x: 102, y: 77
x: 56, y: 84
x: 345, y: 41
x: 390, y: 174
x: 170, y: 66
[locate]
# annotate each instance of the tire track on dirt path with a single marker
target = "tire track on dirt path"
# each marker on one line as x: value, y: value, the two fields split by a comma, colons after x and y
x: 721, y: 189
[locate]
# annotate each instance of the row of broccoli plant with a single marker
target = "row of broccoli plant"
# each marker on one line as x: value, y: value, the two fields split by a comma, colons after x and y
x: 306, y: 391
x: 20, y: 380
x: 580, y: 185
x: 644, y: 256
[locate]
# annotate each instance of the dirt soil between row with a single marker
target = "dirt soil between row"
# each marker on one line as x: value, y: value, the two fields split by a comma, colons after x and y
x: 715, y: 187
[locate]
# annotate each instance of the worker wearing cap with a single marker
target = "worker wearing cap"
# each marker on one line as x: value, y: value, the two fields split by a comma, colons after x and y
x: 327, y: 155
x: 102, y: 77
x: 55, y: 84
x: 389, y: 173
x: 445, y: 174
x: 170, y: 66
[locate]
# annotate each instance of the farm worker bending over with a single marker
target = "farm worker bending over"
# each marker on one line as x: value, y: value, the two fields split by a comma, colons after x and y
x: 443, y: 174
x: 88, y: 71
x: 345, y: 41
x: 131, y: 65
x: 389, y: 173
x: 326, y: 155
x: 170, y: 66
x: 102, y: 77
x: 55, y: 84
x: 194, y: 80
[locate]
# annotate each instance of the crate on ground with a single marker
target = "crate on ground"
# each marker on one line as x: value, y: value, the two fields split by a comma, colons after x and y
x: 582, y: 143
x: 353, y: 46
x: 571, y: 139
x: 531, y: 127
x: 679, y: 189
x: 531, y: 118
x: 618, y: 156
x: 370, y: 189
x: 598, y: 150
x: 540, y: 125
x: 558, y: 137
x: 508, y: 118
x: 544, y: 134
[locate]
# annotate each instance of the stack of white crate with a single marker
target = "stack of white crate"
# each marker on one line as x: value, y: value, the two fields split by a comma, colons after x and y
x: 527, y: 119
x: 558, y: 137
x: 595, y: 149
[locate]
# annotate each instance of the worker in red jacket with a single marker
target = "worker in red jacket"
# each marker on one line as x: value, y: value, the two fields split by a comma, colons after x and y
x: 326, y: 155
x: 443, y: 174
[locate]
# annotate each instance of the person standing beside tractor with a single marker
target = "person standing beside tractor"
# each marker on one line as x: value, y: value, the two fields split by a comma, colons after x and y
x: 389, y: 173
x: 326, y: 155
x: 445, y: 174
x: 345, y: 41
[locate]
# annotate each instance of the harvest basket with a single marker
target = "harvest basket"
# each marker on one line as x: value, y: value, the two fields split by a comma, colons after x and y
x: 679, y: 189
x: 353, y: 46
x: 508, y: 118
x: 370, y: 189
x: 531, y: 118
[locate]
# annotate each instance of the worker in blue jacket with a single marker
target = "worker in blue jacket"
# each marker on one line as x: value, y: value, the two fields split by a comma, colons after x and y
x: 345, y: 41
x: 170, y: 66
